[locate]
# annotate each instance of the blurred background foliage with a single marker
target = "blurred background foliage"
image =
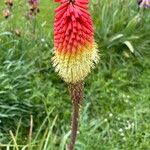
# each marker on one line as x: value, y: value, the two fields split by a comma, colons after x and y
x: 115, y: 114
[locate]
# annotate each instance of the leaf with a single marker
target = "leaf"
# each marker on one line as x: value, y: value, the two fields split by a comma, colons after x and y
x: 129, y: 45
x: 5, y: 33
x: 116, y: 37
x: 132, y: 24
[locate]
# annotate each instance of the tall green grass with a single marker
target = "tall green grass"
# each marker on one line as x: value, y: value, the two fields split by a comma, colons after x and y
x: 34, y: 103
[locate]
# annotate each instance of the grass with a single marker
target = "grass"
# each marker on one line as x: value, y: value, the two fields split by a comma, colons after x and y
x: 35, y: 107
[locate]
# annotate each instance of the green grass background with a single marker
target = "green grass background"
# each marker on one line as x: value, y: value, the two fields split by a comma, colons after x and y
x: 115, y: 113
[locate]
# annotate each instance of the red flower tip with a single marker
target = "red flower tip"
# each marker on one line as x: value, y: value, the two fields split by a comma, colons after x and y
x: 73, y: 25
x: 57, y: 0
x: 73, y: 1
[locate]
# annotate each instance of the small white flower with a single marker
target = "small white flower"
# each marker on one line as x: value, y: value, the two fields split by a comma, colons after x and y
x: 124, y: 138
x: 129, y: 126
x: 42, y: 40
x: 110, y: 115
x: 120, y: 130
x: 123, y: 95
x: 118, y: 118
x: 105, y: 120
x: 132, y: 124
x: 126, y: 101
x: 128, y: 96
x: 122, y: 134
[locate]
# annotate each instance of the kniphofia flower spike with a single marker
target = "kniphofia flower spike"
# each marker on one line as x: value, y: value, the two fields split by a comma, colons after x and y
x: 75, y: 49
x: 76, y: 52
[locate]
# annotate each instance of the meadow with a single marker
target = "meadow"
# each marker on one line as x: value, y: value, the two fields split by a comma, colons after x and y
x: 35, y: 107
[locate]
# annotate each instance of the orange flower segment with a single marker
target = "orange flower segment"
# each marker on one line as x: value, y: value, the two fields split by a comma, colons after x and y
x: 75, y: 49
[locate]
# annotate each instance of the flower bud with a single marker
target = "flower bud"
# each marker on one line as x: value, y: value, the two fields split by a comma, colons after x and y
x: 9, y: 3
x: 34, y: 8
x: 6, y: 13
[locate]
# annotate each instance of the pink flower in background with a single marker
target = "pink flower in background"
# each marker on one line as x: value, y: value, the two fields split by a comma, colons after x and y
x: 9, y: 2
x: 31, y: 2
x: 6, y: 13
x: 144, y: 3
x: 34, y: 7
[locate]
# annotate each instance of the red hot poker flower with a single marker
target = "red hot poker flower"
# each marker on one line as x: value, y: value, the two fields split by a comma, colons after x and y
x: 75, y: 49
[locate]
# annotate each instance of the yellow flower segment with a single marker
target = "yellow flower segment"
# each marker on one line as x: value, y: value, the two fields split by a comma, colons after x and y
x: 76, y: 52
x: 75, y: 67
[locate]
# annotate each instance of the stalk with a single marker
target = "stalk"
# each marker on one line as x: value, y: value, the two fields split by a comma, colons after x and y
x: 76, y: 93
x: 34, y: 23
